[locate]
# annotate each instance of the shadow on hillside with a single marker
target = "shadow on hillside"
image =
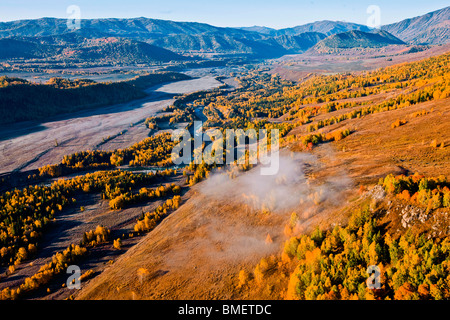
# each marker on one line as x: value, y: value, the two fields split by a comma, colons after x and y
x: 11, y: 131
x: 18, y: 129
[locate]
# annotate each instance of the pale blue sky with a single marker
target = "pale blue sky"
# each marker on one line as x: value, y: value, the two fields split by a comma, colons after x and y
x: 224, y: 13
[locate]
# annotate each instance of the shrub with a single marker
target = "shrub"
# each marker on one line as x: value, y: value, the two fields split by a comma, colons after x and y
x: 118, y: 244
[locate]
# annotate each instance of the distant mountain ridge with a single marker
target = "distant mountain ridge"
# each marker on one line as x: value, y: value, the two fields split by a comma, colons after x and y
x: 257, y: 45
x: 300, y: 42
x: 163, y: 40
x: 430, y: 28
x: 326, y: 27
x: 139, y: 28
x: 180, y: 37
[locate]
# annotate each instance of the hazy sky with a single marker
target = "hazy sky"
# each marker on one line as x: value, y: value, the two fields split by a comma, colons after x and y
x: 226, y: 13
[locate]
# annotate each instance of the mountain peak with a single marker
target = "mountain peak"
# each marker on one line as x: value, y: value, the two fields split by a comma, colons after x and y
x: 430, y: 28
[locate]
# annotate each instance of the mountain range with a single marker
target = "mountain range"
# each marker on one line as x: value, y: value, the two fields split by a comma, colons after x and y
x: 110, y: 49
x: 140, y: 40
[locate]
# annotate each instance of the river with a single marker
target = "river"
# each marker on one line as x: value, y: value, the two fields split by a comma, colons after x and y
x: 28, y: 145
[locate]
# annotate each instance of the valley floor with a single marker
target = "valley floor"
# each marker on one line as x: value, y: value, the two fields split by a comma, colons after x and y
x: 30, y: 146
